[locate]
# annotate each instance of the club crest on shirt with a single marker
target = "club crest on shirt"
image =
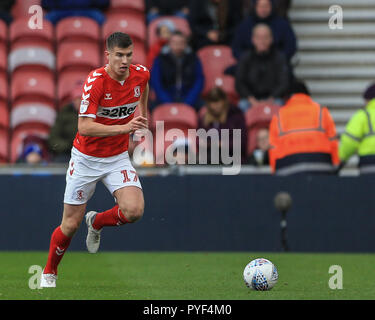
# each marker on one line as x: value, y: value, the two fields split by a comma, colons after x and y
x: 137, y: 91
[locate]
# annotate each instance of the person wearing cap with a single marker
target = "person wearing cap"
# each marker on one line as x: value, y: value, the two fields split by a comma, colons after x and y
x: 359, y: 135
x: 65, y: 127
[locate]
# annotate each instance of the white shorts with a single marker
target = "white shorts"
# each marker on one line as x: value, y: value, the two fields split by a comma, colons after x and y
x: 85, y: 171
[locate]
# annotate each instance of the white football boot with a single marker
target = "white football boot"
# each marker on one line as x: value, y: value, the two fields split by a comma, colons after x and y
x: 48, y: 280
x: 93, y: 235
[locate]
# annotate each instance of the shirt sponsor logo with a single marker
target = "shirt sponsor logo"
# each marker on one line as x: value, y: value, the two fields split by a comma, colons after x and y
x: 118, y: 112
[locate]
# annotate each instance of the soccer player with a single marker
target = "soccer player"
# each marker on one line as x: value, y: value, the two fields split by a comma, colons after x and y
x: 105, y: 120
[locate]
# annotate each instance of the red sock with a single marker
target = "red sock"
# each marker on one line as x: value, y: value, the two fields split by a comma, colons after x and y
x: 111, y: 217
x: 58, y: 245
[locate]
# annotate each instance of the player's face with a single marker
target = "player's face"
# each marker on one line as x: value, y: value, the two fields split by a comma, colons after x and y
x: 119, y: 59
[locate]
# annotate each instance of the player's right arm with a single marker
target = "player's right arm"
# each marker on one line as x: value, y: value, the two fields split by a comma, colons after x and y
x: 88, y: 127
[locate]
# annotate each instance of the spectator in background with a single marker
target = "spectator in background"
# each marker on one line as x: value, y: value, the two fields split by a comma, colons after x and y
x: 164, y: 31
x: 60, y: 9
x: 34, y: 151
x: 65, y: 128
x: 177, y: 74
x: 303, y: 137
x: 359, y: 135
x: 283, y: 34
x: 213, y: 22
x: 262, y: 72
x: 220, y: 114
x: 5, y: 10
x: 157, y: 8
x: 259, y: 157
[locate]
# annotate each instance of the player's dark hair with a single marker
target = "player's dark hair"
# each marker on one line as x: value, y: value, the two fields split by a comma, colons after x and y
x: 118, y: 39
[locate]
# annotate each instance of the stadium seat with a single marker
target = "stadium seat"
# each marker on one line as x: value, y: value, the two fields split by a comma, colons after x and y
x: 21, y: 8
x: 28, y: 85
x: 174, y: 116
x: 18, y: 136
x: 128, y: 7
x: 3, y: 32
x: 215, y: 59
x: 21, y: 35
x: 4, y: 93
x: 31, y: 58
x: 180, y: 23
x: 66, y: 82
x: 78, y: 56
x: 4, y: 145
x: 129, y: 24
x: 4, y: 115
x: 77, y: 29
x: 31, y: 112
x: 256, y: 118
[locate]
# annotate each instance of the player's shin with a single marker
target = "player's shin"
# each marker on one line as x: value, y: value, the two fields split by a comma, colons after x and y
x: 111, y: 217
x: 58, y: 245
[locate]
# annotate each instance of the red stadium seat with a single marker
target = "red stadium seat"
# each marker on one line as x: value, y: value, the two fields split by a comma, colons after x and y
x: 77, y: 29
x: 4, y: 145
x: 215, y: 59
x: 76, y: 55
x: 258, y: 117
x: 3, y: 32
x: 174, y: 116
x: 21, y: 35
x: 4, y: 115
x: 31, y: 112
x: 180, y: 23
x: 3, y: 57
x: 19, y: 135
x: 28, y: 85
x: 37, y: 58
x: 4, y: 89
x: 21, y: 8
x: 135, y: 8
x: 66, y: 82
x: 129, y: 24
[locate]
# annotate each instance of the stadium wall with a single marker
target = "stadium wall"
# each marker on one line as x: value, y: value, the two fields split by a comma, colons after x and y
x: 203, y: 212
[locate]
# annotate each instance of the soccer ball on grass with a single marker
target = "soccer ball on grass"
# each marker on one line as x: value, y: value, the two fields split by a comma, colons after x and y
x: 260, y: 274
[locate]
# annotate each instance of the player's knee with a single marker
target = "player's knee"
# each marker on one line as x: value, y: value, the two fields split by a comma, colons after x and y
x: 133, y: 212
x: 70, y: 226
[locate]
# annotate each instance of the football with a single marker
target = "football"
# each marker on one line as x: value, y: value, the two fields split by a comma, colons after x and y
x: 260, y: 274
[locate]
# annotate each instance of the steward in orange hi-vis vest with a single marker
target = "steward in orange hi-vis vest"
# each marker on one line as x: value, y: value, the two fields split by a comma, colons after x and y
x: 303, y: 138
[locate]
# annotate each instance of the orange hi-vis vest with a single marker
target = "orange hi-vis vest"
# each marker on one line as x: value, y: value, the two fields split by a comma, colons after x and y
x: 303, y: 138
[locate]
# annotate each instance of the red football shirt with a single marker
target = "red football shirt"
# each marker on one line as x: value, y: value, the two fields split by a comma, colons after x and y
x: 110, y: 102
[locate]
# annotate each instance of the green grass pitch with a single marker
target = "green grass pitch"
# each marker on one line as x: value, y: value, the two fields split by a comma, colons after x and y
x: 185, y: 276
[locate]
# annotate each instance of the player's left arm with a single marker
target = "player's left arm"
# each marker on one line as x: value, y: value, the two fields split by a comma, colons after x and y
x: 143, y: 102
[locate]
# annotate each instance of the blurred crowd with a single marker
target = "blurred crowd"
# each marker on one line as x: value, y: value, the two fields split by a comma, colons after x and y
x: 228, y: 60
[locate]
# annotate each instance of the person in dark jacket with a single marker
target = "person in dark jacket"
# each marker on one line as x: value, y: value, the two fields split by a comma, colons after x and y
x: 5, y: 10
x: 263, y: 12
x: 220, y: 114
x: 177, y: 74
x: 213, y: 22
x: 262, y: 73
x: 63, y: 131
x: 157, y: 8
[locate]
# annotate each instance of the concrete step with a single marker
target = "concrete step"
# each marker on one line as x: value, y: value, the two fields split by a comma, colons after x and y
x: 320, y: 30
x: 340, y: 102
x: 336, y: 58
x: 311, y: 44
x: 327, y: 4
x: 322, y: 15
x: 357, y: 87
x: 341, y: 116
x: 335, y: 72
